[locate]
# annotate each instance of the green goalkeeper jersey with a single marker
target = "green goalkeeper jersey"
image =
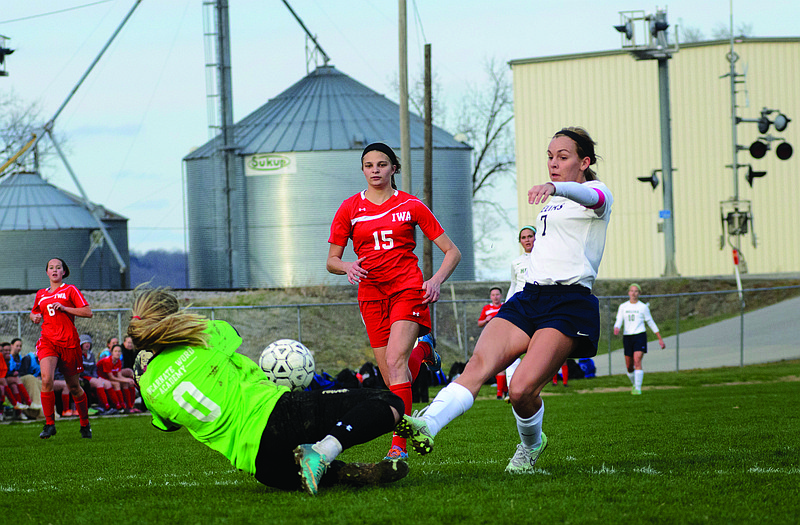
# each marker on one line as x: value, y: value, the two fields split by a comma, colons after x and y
x: 222, y: 398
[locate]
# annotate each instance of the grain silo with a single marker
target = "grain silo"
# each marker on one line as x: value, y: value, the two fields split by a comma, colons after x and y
x: 296, y: 159
x: 39, y: 221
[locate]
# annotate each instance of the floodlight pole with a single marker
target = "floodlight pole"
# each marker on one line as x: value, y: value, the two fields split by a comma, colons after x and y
x: 670, y: 268
x: 405, y: 132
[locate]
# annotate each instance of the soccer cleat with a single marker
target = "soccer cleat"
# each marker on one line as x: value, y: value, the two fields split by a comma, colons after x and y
x: 387, y: 471
x: 433, y: 360
x: 111, y: 411
x: 48, y: 431
x: 396, y: 453
x: 417, y: 432
x: 67, y: 413
x: 523, y: 460
x: 636, y: 391
x: 21, y: 406
x: 86, y: 432
x: 312, y: 466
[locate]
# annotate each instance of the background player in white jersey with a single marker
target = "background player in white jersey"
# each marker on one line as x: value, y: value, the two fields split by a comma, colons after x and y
x: 553, y: 318
x: 392, y: 297
x: 633, y: 315
x: 519, y: 267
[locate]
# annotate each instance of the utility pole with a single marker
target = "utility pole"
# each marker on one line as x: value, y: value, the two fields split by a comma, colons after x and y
x: 656, y: 47
x: 405, y: 133
x: 427, y: 244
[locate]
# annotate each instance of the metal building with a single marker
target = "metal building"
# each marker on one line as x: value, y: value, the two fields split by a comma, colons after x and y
x: 39, y: 221
x: 615, y: 98
x: 297, y: 158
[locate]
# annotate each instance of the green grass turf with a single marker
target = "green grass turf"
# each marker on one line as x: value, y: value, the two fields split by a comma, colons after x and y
x: 708, y: 446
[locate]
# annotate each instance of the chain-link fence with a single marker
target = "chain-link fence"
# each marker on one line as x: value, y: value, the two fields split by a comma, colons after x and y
x: 335, y: 333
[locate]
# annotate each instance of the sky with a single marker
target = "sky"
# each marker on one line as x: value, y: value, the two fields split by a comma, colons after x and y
x: 144, y: 106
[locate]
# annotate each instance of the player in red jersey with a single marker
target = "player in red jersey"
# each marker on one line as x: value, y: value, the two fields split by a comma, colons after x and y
x: 392, y: 296
x: 55, y: 308
x: 110, y: 368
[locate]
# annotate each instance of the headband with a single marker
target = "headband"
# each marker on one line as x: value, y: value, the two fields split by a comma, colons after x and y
x: 383, y: 148
x: 637, y: 286
x: 582, y: 142
x: 532, y: 228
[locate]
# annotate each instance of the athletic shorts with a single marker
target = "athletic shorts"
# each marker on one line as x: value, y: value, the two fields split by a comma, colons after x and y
x: 405, y: 305
x: 306, y: 417
x: 635, y: 343
x: 570, y: 309
x: 70, y: 358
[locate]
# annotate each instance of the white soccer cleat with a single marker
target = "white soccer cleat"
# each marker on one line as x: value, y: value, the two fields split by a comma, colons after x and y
x: 523, y: 460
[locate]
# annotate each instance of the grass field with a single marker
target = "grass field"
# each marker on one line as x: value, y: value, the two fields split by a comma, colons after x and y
x: 706, y: 446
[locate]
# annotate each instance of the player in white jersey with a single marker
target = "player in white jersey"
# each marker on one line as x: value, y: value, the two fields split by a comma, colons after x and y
x: 553, y: 318
x: 633, y: 315
x: 519, y: 267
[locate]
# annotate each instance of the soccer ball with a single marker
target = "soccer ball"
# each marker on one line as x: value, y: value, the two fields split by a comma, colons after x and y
x: 287, y: 362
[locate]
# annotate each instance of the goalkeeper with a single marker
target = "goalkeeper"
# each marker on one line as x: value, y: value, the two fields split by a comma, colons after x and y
x: 191, y: 376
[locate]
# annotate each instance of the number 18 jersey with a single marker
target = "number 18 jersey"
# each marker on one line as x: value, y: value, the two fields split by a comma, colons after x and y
x: 384, y: 235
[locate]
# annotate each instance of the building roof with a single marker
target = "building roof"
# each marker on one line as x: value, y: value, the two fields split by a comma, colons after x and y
x: 28, y: 202
x: 326, y: 110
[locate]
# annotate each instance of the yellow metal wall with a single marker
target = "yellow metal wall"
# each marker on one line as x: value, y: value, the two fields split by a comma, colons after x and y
x: 615, y: 98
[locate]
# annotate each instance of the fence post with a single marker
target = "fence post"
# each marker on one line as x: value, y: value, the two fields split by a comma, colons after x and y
x: 19, y: 326
x: 213, y: 314
x: 466, y: 338
x: 119, y: 325
x: 677, y: 333
x: 741, y: 333
x: 299, y: 326
x: 610, y: 331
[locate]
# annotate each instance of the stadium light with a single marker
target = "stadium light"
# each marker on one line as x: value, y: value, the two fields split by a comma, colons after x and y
x: 753, y: 175
x: 780, y: 122
x: 652, y: 179
x: 626, y: 29
x: 784, y: 150
x: 758, y: 149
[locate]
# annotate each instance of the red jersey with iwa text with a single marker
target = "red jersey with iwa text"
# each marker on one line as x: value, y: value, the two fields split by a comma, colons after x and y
x: 384, y: 235
x: 57, y: 325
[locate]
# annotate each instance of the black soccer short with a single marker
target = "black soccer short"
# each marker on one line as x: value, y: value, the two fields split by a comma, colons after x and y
x: 634, y: 343
x: 570, y: 309
x: 307, y: 417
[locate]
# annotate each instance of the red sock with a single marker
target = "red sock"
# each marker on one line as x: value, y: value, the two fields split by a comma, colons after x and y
x: 101, y: 396
x: 2, y: 395
x: 49, y: 407
x: 116, y: 395
x: 64, y: 401
x: 415, y: 359
x: 82, y: 405
x: 129, y: 398
x: 10, y: 395
x: 565, y: 373
x: 23, y: 394
x: 502, y: 388
x: 403, y: 390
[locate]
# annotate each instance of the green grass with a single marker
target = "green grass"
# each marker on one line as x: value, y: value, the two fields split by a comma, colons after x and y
x: 705, y: 446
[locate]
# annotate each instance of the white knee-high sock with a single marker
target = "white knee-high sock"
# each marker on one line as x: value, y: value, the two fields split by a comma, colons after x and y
x: 452, y: 401
x: 632, y: 378
x: 510, y: 370
x: 638, y: 375
x: 530, y: 428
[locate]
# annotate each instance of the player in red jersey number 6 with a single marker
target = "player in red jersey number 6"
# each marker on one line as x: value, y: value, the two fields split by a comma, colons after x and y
x: 392, y: 296
x: 59, y: 346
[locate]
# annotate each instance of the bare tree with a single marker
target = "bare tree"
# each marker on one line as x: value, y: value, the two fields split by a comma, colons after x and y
x: 722, y: 31
x: 485, y: 120
x: 18, y: 123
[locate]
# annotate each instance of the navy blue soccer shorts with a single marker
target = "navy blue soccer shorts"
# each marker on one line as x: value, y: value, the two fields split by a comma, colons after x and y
x: 570, y: 309
x: 634, y: 343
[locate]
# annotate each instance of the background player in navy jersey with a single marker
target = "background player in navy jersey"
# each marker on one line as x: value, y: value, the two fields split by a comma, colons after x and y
x: 56, y: 307
x: 392, y: 296
x: 554, y: 317
x: 633, y: 315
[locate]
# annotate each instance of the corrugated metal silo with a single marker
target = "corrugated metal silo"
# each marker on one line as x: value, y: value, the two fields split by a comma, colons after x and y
x: 39, y: 221
x: 300, y: 155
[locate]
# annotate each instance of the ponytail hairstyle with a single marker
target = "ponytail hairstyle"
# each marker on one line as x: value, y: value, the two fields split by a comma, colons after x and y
x: 158, y: 321
x: 585, y: 147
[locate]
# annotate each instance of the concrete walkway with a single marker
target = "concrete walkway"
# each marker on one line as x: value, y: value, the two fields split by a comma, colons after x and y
x: 770, y: 334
